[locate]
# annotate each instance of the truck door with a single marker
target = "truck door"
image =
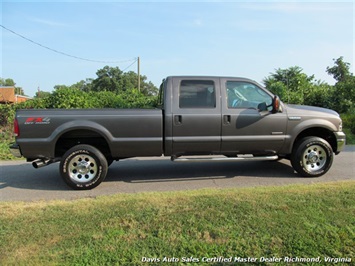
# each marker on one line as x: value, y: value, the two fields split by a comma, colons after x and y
x: 196, y: 116
x: 248, y: 125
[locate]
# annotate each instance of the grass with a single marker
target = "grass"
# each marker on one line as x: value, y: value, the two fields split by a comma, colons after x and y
x: 297, y: 221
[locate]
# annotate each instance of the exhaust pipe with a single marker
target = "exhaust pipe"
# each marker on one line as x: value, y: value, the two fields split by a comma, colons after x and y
x: 41, y: 163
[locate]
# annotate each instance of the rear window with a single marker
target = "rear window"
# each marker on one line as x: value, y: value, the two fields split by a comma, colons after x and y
x: 197, y: 94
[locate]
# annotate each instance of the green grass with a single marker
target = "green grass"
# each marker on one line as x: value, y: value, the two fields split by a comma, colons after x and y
x: 299, y: 220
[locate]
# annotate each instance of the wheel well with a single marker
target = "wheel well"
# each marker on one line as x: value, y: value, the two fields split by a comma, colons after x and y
x: 321, y: 133
x: 76, y: 137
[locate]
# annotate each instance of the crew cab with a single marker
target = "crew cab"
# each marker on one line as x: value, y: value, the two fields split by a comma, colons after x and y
x: 203, y: 116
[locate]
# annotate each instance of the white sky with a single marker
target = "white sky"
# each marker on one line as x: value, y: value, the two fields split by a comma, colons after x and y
x: 229, y: 38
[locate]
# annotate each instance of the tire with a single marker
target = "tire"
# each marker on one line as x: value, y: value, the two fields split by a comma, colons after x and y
x: 312, y: 157
x: 83, y: 167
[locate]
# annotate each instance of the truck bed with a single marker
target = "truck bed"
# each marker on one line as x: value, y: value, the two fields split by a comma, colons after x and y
x: 127, y: 132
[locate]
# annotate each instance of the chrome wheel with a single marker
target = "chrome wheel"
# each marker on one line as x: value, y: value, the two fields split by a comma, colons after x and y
x: 82, y: 168
x: 314, y: 158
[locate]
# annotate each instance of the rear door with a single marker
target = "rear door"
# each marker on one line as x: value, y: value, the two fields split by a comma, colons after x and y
x: 196, y: 116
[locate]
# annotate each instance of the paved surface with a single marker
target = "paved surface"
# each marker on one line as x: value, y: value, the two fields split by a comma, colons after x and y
x: 19, y: 181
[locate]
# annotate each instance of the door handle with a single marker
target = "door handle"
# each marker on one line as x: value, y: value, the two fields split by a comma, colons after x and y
x: 177, y: 119
x: 226, y: 119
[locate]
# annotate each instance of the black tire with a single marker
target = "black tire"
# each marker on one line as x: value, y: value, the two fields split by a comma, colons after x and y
x: 312, y: 157
x: 83, y: 167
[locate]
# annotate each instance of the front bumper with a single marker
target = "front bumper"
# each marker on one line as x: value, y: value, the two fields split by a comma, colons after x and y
x: 341, y: 141
x: 15, y: 150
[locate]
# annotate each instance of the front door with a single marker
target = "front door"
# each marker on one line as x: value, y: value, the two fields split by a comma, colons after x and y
x: 248, y: 124
x: 196, y: 116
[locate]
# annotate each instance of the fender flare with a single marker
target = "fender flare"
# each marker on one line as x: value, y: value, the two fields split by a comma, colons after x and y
x: 78, y: 125
x: 306, y: 125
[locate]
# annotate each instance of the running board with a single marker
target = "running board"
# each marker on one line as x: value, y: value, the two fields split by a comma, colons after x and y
x: 225, y: 159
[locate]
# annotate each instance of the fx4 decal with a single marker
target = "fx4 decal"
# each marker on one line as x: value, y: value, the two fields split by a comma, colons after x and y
x: 37, y: 121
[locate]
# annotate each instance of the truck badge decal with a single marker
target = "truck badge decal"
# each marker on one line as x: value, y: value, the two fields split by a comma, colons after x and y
x: 294, y: 118
x: 37, y: 121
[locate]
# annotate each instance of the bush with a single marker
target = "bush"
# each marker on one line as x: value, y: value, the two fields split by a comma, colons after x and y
x: 321, y: 96
x: 7, y: 114
x: 135, y: 99
x: 105, y: 99
x: 37, y: 103
x: 67, y: 98
x: 70, y: 98
x: 349, y: 121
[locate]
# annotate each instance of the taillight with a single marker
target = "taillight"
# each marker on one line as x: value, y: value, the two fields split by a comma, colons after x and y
x: 16, y: 128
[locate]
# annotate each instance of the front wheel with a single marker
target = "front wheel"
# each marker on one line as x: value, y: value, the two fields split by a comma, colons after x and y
x: 312, y: 157
x: 83, y: 167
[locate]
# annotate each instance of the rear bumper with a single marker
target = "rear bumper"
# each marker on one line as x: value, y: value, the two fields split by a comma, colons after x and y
x: 341, y: 141
x: 15, y: 150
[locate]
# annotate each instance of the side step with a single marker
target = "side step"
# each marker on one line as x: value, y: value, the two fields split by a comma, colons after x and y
x: 221, y: 158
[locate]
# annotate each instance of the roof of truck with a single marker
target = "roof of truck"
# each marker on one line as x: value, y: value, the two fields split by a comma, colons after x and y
x: 211, y: 77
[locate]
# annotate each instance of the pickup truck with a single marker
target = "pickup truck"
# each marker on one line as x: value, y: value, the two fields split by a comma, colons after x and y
x: 208, y: 118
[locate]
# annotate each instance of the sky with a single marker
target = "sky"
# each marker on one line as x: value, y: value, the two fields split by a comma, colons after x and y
x: 227, y: 38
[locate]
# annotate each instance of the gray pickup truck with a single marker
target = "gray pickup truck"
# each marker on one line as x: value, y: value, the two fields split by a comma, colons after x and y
x: 209, y: 118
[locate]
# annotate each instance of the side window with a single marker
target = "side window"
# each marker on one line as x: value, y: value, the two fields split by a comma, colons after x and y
x: 247, y: 95
x: 197, y: 94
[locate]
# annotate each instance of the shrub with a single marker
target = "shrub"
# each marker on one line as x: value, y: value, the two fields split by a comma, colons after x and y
x: 69, y: 98
x: 106, y: 99
x: 7, y: 114
x: 349, y: 120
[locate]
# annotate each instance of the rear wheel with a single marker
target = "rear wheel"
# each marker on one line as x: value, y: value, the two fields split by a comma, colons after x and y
x: 312, y: 157
x: 83, y: 167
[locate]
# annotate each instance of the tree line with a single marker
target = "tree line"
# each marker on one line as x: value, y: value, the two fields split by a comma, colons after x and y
x: 294, y: 86
x: 112, y: 88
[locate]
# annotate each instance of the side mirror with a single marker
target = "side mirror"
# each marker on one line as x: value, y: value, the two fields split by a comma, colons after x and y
x: 275, y: 104
x: 262, y: 107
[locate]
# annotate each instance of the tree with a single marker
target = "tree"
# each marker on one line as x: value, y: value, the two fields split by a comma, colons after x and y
x: 341, y: 70
x: 83, y: 85
x: 149, y: 88
x: 60, y: 87
x: 19, y: 91
x: 108, y: 79
x: 128, y: 81
x: 11, y: 82
x: 42, y: 94
x: 344, y: 90
x: 114, y: 80
x: 7, y: 82
x: 292, y: 85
